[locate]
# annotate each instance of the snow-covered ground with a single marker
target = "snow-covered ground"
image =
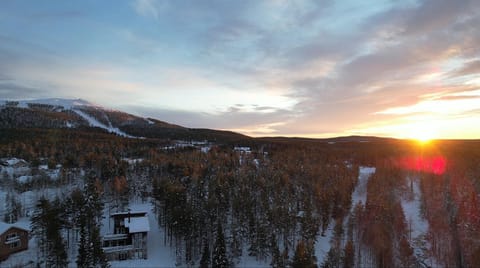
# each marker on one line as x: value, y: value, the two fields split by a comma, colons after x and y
x: 24, y: 258
x: 417, y: 225
x: 247, y: 261
x: 322, y: 246
x: 360, y: 192
x: 411, y: 210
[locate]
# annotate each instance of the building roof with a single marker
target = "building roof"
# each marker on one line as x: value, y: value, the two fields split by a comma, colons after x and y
x: 5, y: 226
x: 132, y: 213
x: 137, y: 224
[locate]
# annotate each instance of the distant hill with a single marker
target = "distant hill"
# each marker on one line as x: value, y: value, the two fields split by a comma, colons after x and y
x: 327, y: 140
x: 78, y: 113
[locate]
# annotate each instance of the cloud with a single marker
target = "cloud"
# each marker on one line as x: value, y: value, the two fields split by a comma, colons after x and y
x: 272, y: 67
x: 445, y: 105
x: 252, y: 122
x: 432, y: 15
x: 10, y: 90
x: 469, y: 68
x: 149, y: 8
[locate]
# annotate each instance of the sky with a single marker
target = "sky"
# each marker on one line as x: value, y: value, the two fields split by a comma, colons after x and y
x: 405, y: 69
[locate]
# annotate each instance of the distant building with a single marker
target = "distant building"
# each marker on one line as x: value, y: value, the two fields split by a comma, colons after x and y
x: 129, y: 238
x: 240, y: 149
x: 12, y: 239
x: 14, y: 167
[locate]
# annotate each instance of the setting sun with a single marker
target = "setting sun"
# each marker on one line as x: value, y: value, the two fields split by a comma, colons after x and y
x: 423, y: 138
x: 421, y: 132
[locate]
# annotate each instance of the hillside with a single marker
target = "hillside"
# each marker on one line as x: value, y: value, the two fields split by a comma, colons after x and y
x: 64, y: 113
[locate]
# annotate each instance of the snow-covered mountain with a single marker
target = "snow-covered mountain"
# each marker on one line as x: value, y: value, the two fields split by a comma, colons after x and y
x: 79, y: 113
x: 65, y: 103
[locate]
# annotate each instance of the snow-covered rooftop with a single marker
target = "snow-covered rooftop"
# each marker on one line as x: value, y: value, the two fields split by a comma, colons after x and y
x: 137, y: 224
x: 13, y: 161
x: 131, y: 212
x: 5, y: 226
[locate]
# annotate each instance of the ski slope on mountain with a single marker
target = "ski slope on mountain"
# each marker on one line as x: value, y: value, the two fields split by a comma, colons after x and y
x: 95, y: 123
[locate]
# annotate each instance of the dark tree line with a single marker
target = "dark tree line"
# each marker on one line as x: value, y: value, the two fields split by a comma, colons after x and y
x: 82, y: 211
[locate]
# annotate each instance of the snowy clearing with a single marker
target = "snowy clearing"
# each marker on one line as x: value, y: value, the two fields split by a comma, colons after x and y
x: 360, y: 192
x: 417, y: 224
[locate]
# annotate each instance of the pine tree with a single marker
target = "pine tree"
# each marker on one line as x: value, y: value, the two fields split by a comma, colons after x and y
x: 12, y: 208
x: 333, y: 259
x: 348, y: 255
x: 83, y: 256
x: 304, y: 257
x: 278, y: 259
x: 56, y: 224
x: 90, y: 252
x: 47, y: 222
x: 39, y: 227
x: 406, y: 253
x: 220, y: 253
x: 205, y: 261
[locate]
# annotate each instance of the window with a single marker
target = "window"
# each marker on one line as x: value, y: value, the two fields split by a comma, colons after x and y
x: 13, y: 240
x: 12, y: 236
x: 15, y: 244
x: 122, y: 256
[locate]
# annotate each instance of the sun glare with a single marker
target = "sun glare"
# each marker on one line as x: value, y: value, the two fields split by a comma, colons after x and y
x: 422, y: 133
x: 423, y: 139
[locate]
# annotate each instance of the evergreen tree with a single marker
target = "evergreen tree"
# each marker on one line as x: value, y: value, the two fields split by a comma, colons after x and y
x: 304, y: 257
x: 83, y: 256
x: 278, y: 259
x: 333, y: 259
x: 12, y: 208
x: 90, y: 252
x: 220, y: 253
x: 349, y: 255
x: 39, y: 227
x: 47, y: 223
x: 406, y: 253
x: 205, y: 261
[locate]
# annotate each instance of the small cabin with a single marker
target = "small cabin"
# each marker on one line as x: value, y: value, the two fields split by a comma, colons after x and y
x: 129, y: 238
x: 13, y: 239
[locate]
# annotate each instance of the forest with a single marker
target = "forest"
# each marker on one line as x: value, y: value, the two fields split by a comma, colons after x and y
x: 274, y: 204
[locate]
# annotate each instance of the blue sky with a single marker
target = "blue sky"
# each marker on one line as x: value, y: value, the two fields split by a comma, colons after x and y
x: 273, y: 67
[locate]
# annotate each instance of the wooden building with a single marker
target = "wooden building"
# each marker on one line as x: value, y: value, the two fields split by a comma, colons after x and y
x: 129, y: 238
x: 12, y: 239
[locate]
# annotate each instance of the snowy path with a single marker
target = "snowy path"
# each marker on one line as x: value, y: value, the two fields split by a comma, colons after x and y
x: 95, y: 123
x: 417, y: 225
x: 411, y: 210
x: 360, y: 192
x: 322, y: 245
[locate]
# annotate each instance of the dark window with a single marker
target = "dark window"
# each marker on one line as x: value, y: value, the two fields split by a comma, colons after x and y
x: 15, y: 244
x: 12, y: 236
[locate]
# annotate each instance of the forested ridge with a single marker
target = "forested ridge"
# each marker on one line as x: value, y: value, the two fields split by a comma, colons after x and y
x: 274, y: 203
